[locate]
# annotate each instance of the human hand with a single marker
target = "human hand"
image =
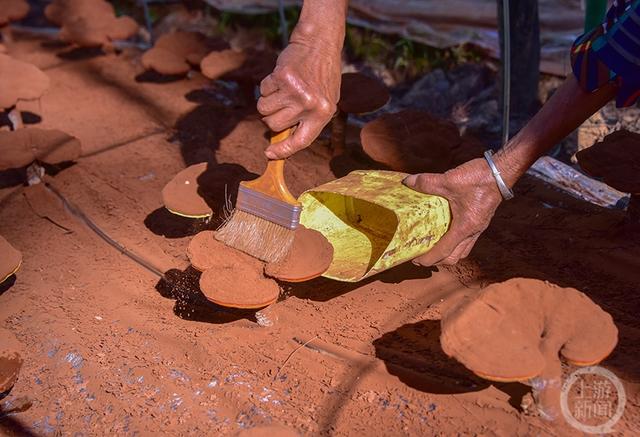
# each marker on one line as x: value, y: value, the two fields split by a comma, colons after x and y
x: 302, y: 91
x: 473, y: 199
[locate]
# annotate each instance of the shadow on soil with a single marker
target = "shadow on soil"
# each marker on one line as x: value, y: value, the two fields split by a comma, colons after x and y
x: 164, y: 223
x: 7, y: 284
x: 28, y: 118
x: 81, y: 53
x: 218, y: 186
x: 413, y: 354
x: 14, y: 426
x: 13, y: 177
x: 191, y: 304
x: 151, y: 76
x: 198, y: 134
x: 323, y: 289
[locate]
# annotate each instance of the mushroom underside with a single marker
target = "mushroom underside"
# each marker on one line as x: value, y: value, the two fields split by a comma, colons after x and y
x: 10, y: 261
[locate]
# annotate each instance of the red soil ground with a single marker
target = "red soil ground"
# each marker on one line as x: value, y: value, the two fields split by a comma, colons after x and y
x: 111, y: 349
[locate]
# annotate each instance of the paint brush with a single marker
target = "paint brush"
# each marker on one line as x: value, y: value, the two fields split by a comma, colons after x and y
x: 266, y: 214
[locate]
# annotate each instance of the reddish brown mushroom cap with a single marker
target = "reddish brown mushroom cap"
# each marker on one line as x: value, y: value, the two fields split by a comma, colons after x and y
x: 89, y: 23
x: 22, y: 147
x: 10, y: 359
x: 253, y: 291
x: 217, y: 64
x: 360, y: 94
x: 309, y: 257
x: 52, y: 146
x: 87, y: 32
x: 165, y: 62
x: 16, y: 149
x: 12, y: 10
x: 411, y: 141
x: 231, y: 278
x: 20, y: 81
x: 123, y: 27
x: 258, y: 65
x: 60, y: 11
x: 205, y: 252
x: 509, y: 331
x: 174, y: 53
x: 616, y: 159
x: 181, y: 196
x: 10, y: 260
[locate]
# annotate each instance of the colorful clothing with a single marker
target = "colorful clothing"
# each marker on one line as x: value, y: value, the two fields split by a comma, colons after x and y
x: 611, y: 52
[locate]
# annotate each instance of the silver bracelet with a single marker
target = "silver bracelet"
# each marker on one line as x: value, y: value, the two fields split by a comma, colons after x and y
x: 507, y: 193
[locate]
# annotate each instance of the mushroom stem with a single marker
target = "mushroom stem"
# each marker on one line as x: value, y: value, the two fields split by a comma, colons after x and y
x: 35, y: 174
x: 339, y: 132
x: 546, y: 387
x: 633, y: 209
x: 15, y: 118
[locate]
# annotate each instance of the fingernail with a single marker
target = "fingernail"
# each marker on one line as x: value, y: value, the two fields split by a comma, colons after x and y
x: 410, y: 181
x: 269, y: 154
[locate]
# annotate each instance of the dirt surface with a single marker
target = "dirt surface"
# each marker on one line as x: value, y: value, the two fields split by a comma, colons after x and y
x: 110, y: 348
x: 310, y: 256
x: 616, y: 160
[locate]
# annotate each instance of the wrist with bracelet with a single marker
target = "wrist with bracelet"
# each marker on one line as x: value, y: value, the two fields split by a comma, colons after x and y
x: 505, y: 191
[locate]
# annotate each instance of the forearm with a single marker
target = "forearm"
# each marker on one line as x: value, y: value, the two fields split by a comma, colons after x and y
x: 322, y: 22
x: 567, y: 109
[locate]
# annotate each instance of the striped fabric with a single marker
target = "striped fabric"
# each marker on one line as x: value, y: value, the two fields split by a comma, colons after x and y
x: 611, y: 52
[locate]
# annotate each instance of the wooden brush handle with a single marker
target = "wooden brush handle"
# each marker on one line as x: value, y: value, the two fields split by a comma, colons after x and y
x: 271, y: 182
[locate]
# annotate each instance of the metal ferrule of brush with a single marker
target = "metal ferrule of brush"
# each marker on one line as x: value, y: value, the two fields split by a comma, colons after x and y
x: 268, y: 208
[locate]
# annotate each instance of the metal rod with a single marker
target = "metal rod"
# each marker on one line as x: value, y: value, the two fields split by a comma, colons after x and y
x: 506, y: 71
x: 77, y: 212
x: 147, y: 20
x: 284, y: 28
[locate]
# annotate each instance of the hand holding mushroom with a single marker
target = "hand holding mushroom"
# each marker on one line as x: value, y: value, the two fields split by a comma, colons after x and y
x: 304, y: 88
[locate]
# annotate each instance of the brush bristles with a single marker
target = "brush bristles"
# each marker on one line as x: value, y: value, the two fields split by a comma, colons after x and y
x: 256, y: 236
